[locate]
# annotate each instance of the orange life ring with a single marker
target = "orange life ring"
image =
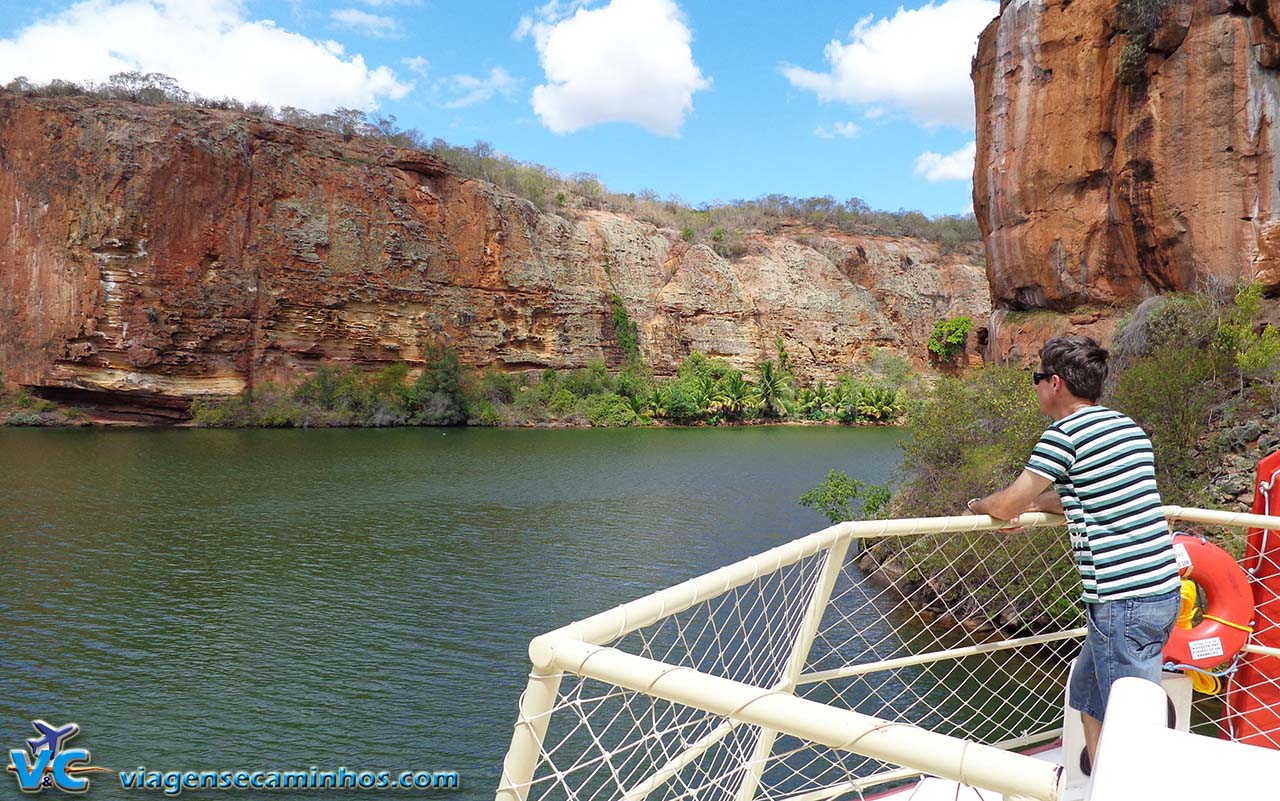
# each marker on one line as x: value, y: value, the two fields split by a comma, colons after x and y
x: 1228, y: 614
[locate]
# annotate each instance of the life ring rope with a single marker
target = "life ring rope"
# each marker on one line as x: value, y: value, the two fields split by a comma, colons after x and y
x: 1208, y: 682
x: 1239, y: 626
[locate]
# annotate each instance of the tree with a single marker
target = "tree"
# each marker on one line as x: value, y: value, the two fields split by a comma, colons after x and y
x: 834, y: 498
x: 772, y: 390
x: 437, y: 397
x: 732, y: 396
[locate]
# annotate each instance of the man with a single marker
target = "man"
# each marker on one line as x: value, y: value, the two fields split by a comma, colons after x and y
x: 1102, y: 469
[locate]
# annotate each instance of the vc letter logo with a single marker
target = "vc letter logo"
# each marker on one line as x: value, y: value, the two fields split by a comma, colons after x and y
x: 50, y: 763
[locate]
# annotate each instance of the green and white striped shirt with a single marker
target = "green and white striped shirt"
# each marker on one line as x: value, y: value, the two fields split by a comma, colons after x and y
x: 1103, y: 468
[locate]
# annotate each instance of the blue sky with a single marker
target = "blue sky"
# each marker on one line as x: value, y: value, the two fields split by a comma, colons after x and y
x: 710, y: 101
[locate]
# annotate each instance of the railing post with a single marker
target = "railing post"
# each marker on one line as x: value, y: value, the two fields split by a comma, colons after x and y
x: 526, y: 741
x: 795, y: 663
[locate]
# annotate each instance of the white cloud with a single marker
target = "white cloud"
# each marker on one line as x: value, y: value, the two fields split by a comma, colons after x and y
x: 630, y: 61
x: 208, y: 46
x: 418, y: 64
x: 957, y: 166
x: 476, y: 90
x: 916, y: 61
x: 547, y: 15
x: 366, y: 23
x: 847, y: 130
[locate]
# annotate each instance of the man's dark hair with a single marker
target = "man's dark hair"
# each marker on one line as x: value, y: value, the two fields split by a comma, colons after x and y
x: 1079, y: 361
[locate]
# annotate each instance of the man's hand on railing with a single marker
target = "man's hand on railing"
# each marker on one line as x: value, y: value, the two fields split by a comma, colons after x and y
x: 1013, y: 528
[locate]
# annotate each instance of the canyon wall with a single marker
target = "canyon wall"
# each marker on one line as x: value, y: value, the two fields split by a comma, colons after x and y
x: 152, y: 255
x: 1093, y: 189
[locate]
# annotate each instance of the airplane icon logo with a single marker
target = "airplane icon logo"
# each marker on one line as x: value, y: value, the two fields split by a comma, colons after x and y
x: 51, y: 737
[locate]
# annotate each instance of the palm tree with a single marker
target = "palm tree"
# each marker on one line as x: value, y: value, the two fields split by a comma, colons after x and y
x: 772, y: 390
x: 732, y: 396
x: 835, y: 400
x: 702, y: 390
x: 811, y: 402
x: 877, y: 403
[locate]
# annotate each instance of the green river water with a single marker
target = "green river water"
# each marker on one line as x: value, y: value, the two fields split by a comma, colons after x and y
x: 201, y: 599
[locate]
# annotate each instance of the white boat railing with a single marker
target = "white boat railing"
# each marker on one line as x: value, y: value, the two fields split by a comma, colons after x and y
x: 803, y: 673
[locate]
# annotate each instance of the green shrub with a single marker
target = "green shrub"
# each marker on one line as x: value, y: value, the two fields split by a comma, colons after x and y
x: 498, y: 387
x: 971, y: 436
x: 562, y: 402
x: 320, y: 390
x: 877, y: 404
x: 610, y: 410
x: 276, y: 408
x: 678, y: 404
x: 222, y: 412
x: 732, y: 397
x: 1255, y: 353
x: 1133, y: 57
x: 436, y: 397
x: 1177, y: 320
x: 485, y: 413
x: 811, y: 402
x: 893, y: 371
x: 632, y: 383
x: 698, y: 365
x: 594, y: 379
x: 834, y: 498
x: 25, y: 419
x: 1171, y: 394
x: 948, y: 338
x: 626, y: 332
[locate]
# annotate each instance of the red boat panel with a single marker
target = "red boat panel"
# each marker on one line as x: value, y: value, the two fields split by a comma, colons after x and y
x: 1251, y: 713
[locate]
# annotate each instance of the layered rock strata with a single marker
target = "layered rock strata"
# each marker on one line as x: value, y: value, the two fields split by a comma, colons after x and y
x: 152, y: 255
x: 1090, y: 189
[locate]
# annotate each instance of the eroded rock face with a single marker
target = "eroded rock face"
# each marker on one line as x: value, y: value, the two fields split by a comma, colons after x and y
x: 1089, y: 190
x: 170, y: 253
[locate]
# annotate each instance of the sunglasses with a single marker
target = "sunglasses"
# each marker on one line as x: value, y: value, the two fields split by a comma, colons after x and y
x: 1036, y: 378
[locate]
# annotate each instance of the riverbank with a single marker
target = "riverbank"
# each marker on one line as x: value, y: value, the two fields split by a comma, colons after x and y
x: 442, y: 392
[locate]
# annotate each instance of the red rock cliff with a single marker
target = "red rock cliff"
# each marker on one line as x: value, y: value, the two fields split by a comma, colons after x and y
x: 1089, y: 189
x: 159, y: 254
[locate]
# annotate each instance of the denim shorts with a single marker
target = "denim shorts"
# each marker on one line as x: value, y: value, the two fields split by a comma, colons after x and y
x: 1126, y: 638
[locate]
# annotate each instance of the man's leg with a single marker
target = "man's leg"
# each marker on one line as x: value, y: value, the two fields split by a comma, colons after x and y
x: 1085, y: 690
x: 1092, y: 729
x: 1134, y: 632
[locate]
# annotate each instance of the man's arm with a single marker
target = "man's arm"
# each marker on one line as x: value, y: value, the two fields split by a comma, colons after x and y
x: 1048, y: 501
x: 1025, y: 494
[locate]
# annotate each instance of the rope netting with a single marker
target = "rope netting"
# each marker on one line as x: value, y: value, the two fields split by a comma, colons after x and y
x: 1247, y: 705
x: 893, y: 599
x: 969, y: 634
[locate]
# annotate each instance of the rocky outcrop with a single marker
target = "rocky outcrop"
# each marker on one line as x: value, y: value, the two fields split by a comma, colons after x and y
x: 153, y: 254
x: 1093, y: 190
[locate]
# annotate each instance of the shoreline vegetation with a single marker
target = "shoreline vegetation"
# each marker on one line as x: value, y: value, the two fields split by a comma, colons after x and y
x: 705, y: 391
